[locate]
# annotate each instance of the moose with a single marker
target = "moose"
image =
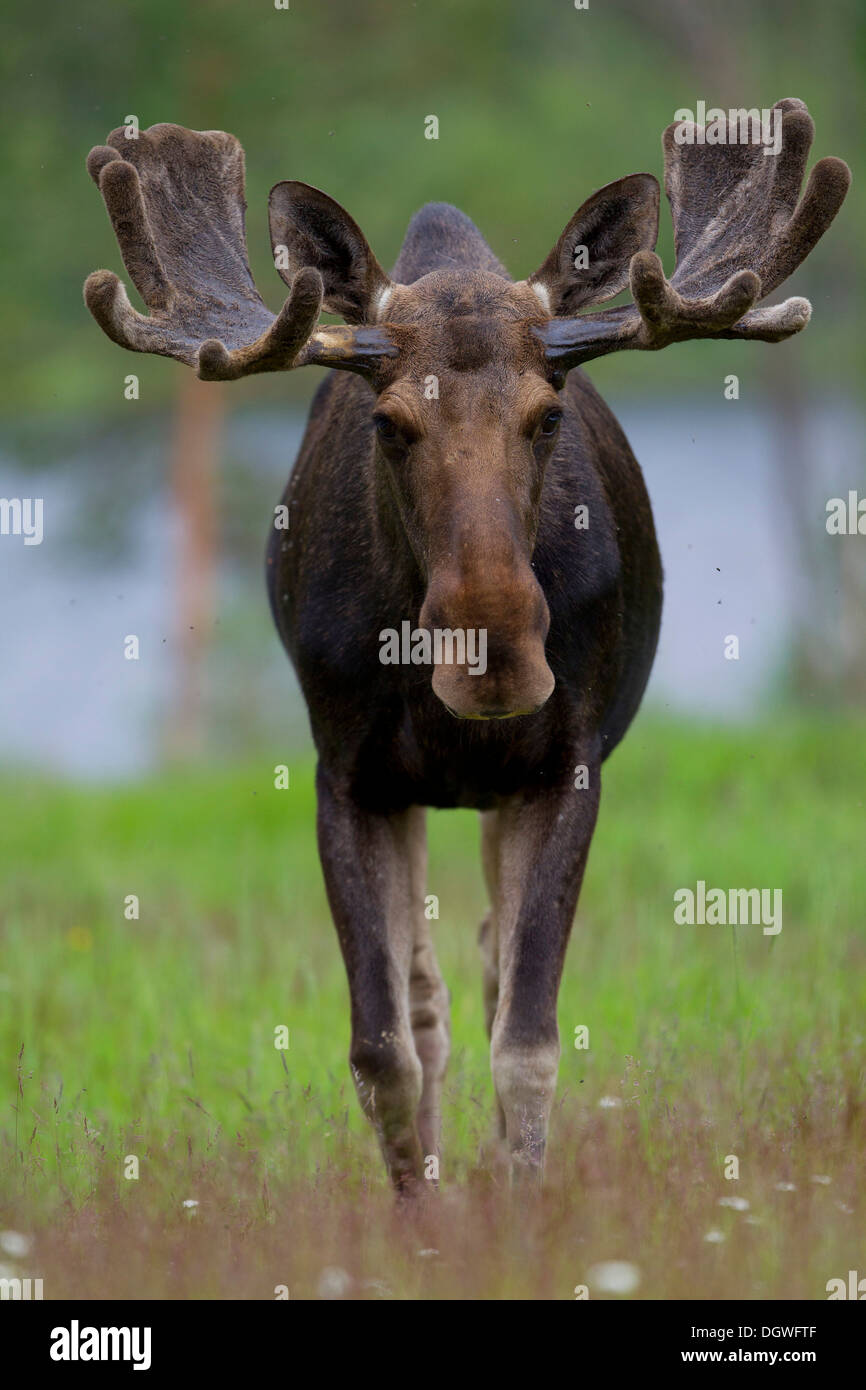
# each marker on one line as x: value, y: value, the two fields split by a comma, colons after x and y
x: 436, y: 485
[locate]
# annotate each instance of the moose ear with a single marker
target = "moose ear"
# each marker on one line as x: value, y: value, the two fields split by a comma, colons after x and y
x: 590, y: 262
x: 309, y: 229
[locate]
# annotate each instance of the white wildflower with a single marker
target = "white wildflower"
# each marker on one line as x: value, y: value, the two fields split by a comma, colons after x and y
x: 614, y: 1276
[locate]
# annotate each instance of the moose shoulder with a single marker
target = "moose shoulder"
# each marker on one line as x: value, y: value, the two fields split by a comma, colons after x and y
x: 435, y: 496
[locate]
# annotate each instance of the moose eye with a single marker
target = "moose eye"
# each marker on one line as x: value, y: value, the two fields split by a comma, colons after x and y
x: 386, y: 429
x: 550, y: 423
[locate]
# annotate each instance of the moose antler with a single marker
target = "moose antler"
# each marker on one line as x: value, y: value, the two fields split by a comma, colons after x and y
x: 739, y: 232
x: 176, y: 201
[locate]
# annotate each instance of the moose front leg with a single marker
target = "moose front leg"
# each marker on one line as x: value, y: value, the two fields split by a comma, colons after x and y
x: 542, y: 842
x: 367, y: 860
x: 488, y: 935
x: 428, y: 996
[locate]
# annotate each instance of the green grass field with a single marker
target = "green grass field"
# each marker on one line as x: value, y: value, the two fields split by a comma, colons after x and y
x: 154, y: 1038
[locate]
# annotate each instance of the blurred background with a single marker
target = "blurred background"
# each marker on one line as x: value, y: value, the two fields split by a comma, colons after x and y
x: 156, y: 510
x: 150, y: 783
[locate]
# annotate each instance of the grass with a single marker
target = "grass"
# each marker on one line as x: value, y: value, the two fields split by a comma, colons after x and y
x: 154, y: 1039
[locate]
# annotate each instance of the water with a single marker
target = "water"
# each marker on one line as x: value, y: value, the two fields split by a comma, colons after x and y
x: 70, y: 703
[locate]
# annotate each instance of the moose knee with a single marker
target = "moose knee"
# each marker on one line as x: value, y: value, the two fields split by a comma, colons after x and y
x: 387, y: 1075
x: 525, y: 1079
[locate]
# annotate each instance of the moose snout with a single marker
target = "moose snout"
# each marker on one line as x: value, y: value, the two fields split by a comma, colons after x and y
x: 488, y: 646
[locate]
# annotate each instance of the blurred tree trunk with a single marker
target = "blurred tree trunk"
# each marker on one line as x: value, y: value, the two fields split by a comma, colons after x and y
x: 195, y: 449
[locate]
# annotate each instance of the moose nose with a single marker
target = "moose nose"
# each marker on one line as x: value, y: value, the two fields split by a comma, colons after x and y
x: 513, y: 693
x: 502, y: 628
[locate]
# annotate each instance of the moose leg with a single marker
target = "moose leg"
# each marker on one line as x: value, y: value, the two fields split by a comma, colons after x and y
x: 428, y: 997
x: 488, y: 935
x: 544, y: 840
x: 367, y: 863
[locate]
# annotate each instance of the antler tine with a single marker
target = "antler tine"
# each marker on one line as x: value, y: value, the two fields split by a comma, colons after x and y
x: 279, y: 347
x: 667, y: 316
x: 119, y: 183
x: 739, y: 232
x: 175, y: 198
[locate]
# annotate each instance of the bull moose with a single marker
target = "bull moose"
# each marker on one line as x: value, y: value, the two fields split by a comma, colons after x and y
x: 436, y: 485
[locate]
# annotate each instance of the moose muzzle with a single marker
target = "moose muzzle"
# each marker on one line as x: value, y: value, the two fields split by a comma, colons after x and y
x: 488, y: 644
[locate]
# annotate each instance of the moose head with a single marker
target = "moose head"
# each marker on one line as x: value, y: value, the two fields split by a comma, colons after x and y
x: 466, y: 366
